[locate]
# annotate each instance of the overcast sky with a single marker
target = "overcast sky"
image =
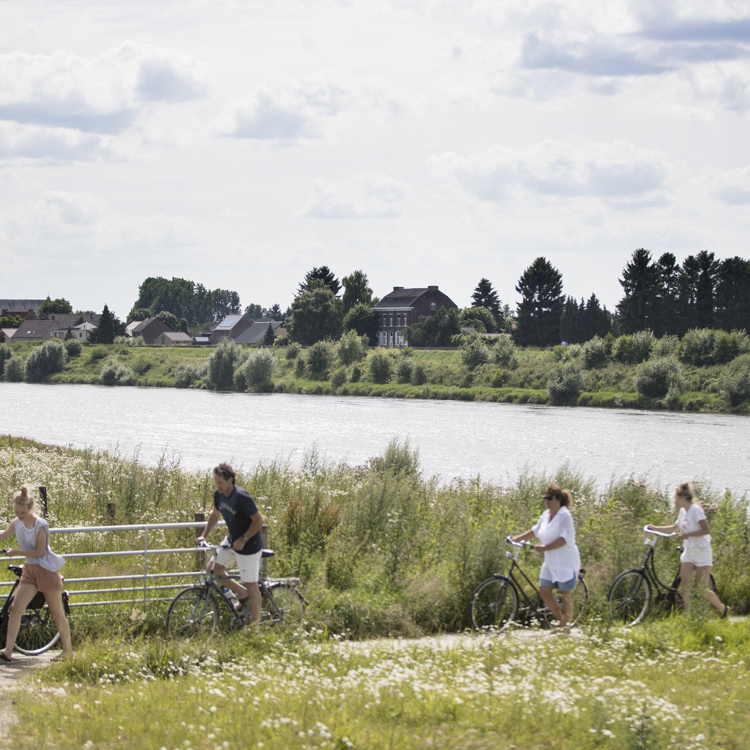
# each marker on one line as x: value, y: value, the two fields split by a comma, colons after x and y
x: 239, y: 144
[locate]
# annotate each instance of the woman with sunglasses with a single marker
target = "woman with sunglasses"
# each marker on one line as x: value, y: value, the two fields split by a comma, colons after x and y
x: 562, y: 561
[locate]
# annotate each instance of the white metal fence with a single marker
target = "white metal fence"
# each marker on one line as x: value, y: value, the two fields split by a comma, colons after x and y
x: 149, y: 587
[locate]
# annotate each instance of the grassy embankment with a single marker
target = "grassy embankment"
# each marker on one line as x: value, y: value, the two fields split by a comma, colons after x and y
x: 384, y: 552
x: 445, y: 377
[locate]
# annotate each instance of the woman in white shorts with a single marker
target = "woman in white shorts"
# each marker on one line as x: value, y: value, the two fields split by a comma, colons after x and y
x: 692, y: 527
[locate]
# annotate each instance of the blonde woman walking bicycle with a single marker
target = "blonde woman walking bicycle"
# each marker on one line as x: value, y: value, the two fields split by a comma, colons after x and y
x: 696, y: 560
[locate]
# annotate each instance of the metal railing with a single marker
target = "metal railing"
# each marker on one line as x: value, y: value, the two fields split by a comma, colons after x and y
x: 149, y: 592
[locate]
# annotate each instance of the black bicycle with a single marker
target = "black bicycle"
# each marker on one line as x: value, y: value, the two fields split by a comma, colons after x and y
x: 502, y: 599
x: 195, y: 610
x: 38, y: 632
x: 632, y: 592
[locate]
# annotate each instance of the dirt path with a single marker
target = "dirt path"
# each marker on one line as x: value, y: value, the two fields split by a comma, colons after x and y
x: 12, y: 677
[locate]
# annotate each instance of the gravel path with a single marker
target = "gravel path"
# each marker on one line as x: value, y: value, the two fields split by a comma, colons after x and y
x: 12, y: 677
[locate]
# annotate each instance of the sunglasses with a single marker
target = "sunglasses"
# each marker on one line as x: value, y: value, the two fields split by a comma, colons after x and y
x: 548, y: 497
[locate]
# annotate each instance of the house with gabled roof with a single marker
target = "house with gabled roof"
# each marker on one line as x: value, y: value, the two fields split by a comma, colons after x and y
x: 35, y: 330
x: 231, y: 327
x: 174, y: 338
x: 254, y: 335
x: 20, y: 308
x: 403, y: 307
x: 151, y: 328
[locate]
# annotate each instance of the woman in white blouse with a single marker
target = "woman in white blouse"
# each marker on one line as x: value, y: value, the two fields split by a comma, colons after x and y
x: 697, y: 557
x: 562, y: 561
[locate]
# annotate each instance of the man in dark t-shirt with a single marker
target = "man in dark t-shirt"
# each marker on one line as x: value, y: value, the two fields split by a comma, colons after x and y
x: 243, y: 544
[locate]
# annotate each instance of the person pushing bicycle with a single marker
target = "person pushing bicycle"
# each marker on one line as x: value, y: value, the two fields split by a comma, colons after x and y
x: 243, y: 544
x: 562, y: 561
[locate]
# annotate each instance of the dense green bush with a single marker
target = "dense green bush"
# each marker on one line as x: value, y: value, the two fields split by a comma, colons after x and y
x: 706, y: 346
x: 14, y: 369
x: 380, y: 365
x: 666, y: 346
x: 184, y: 376
x: 418, y: 374
x: 352, y: 348
x: 73, y: 347
x: 404, y: 367
x: 222, y: 364
x: 734, y: 381
x: 116, y: 373
x: 504, y: 352
x: 130, y: 340
x: 45, y: 360
x: 320, y: 359
x: 292, y: 349
x: 658, y: 377
x: 300, y: 365
x: 260, y: 367
x: 5, y: 355
x: 338, y: 377
x: 595, y: 353
x: 474, y: 353
x: 565, y: 383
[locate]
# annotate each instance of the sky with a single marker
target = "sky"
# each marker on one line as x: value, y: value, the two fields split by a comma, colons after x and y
x: 239, y: 144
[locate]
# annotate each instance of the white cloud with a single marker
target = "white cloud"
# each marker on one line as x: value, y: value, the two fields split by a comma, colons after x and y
x: 372, y: 195
x: 54, y: 145
x: 734, y: 187
x: 80, y: 226
x: 100, y: 95
x: 615, y: 172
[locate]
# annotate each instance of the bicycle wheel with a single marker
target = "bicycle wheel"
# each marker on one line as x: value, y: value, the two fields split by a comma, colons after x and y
x: 282, y: 606
x: 38, y: 632
x: 495, y: 604
x: 192, y: 612
x: 580, y: 601
x: 629, y: 597
x: 675, y: 597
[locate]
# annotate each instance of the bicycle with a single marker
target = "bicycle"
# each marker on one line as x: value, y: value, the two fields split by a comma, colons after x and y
x: 195, y: 610
x: 630, y: 595
x: 502, y: 599
x: 38, y: 632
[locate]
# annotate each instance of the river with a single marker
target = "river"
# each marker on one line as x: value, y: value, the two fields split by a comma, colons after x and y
x: 496, y: 442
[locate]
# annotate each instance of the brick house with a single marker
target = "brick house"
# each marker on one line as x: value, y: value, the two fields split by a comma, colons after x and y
x: 403, y: 307
x: 150, y: 329
x: 231, y: 327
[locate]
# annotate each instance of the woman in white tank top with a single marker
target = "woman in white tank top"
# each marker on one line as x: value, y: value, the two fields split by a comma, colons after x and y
x: 41, y: 571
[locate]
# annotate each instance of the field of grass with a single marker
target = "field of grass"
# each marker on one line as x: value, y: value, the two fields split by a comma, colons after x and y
x: 383, y: 553
x: 446, y: 376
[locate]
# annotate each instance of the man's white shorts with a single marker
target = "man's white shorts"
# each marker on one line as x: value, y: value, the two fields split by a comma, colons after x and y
x: 701, y: 557
x: 248, y: 565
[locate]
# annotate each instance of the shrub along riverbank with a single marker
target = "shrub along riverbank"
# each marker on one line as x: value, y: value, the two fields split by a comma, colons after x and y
x: 706, y: 371
x: 383, y: 551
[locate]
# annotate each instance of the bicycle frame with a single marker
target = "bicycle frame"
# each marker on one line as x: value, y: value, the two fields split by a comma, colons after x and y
x: 532, y: 606
x: 648, y: 568
x: 5, y: 612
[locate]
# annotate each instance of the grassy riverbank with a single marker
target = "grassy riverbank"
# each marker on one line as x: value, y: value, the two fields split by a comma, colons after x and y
x: 409, y: 373
x: 383, y: 551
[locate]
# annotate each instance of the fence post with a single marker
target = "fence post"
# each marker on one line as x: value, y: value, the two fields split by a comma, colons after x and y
x: 43, y: 500
x: 264, y: 560
x: 200, y: 557
x: 111, y: 513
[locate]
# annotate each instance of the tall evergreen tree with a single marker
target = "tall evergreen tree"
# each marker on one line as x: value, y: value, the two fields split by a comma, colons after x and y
x: 732, y: 296
x: 595, y: 319
x: 570, y: 322
x: 268, y: 336
x: 640, y: 283
x: 106, y: 330
x: 667, y: 319
x: 540, y: 309
x: 708, y: 268
x: 485, y: 296
x: 323, y: 274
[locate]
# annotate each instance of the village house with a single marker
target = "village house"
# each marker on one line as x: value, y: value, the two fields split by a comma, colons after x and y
x: 254, y: 335
x: 173, y: 338
x: 231, y: 327
x: 35, y: 330
x: 403, y: 307
x: 150, y: 329
x: 20, y: 308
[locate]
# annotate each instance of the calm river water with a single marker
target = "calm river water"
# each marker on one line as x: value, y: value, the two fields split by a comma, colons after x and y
x: 496, y: 442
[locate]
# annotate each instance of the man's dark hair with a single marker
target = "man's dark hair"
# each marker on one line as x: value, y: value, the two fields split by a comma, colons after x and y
x: 226, y: 471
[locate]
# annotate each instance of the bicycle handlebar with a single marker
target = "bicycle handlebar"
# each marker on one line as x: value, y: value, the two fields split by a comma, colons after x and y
x: 509, y: 540
x: 658, y: 533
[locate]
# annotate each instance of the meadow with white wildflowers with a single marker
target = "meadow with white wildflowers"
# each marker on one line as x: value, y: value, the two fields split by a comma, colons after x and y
x: 382, y: 552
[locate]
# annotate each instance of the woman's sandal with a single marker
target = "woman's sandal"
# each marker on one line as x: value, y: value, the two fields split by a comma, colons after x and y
x: 241, y: 603
x: 4, y: 658
x: 725, y: 613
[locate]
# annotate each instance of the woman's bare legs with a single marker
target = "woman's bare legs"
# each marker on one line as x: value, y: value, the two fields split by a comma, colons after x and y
x: 551, y: 603
x: 24, y: 594
x: 56, y: 609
